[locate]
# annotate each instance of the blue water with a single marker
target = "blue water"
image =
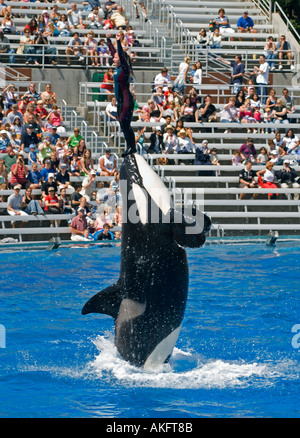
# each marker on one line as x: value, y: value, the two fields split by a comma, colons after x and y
x: 234, y: 356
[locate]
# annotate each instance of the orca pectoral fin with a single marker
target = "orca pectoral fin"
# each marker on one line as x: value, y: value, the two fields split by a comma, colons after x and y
x: 189, y: 229
x: 107, y: 302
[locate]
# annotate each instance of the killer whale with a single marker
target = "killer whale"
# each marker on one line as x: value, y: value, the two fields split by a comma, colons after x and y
x: 148, y: 301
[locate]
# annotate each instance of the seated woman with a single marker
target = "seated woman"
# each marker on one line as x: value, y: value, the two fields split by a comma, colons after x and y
x: 229, y: 114
x: 188, y: 111
x: 246, y: 114
x: 266, y: 178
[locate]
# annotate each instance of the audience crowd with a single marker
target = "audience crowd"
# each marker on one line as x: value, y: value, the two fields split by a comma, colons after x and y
x: 39, y: 154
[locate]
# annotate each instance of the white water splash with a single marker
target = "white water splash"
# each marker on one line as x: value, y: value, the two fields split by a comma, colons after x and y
x: 198, y: 373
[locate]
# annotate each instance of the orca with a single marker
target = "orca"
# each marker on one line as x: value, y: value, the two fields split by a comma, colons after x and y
x: 148, y: 301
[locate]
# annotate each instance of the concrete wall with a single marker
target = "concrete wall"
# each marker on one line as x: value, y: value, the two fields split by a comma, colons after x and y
x: 65, y: 82
x: 281, y: 28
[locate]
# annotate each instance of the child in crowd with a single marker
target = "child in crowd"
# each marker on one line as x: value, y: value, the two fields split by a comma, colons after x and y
x: 236, y: 159
x: 32, y: 156
x: 103, y: 52
x: 262, y: 157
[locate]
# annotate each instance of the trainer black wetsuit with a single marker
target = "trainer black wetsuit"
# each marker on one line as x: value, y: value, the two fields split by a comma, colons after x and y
x: 125, y: 101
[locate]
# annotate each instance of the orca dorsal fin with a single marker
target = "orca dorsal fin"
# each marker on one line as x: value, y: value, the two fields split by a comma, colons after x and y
x: 107, y: 302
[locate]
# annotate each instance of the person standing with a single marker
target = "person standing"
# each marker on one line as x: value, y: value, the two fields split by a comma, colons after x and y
x: 125, y: 100
x: 262, y: 77
x: 238, y: 71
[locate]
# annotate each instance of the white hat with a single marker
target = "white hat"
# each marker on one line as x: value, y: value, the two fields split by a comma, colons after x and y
x: 286, y: 162
x: 51, y: 175
x: 93, y: 172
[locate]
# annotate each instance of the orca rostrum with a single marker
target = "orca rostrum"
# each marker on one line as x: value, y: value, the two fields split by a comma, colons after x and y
x: 149, y: 299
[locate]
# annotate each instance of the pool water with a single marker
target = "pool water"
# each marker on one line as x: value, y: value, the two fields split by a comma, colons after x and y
x: 236, y: 355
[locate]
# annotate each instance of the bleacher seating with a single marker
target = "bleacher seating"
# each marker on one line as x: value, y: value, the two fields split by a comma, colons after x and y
x: 219, y: 195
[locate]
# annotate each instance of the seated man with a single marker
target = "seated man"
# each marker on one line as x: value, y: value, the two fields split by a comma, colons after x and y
x: 247, y: 180
x: 14, y: 203
x: 79, y: 228
x: 287, y: 177
x: 75, y: 47
x: 245, y: 24
x: 284, y: 51
x: 119, y: 18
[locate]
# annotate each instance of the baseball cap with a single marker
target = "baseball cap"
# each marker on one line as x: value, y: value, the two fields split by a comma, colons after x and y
x: 51, y: 175
x: 286, y: 162
x: 93, y: 172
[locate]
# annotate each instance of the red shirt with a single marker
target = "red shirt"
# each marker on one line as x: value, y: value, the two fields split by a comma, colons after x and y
x: 20, y: 177
x: 51, y: 200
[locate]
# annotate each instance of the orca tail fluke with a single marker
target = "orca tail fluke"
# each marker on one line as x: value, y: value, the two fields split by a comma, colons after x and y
x: 107, y: 302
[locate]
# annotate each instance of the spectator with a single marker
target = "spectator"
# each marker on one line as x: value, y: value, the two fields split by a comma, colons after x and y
x: 119, y: 18
x: 262, y: 77
x: 279, y: 112
x: 4, y: 140
x: 49, y: 94
x: 9, y: 159
x: 185, y: 144
x: 63, y: 176
x: 270, y: 52
x: 107, y: 164
x: 247, y: 179
x: 215, y: 40
x: 202, y: 39
x: 181, y: 78
x: 109, y: 7
x: 76, y: 196
x: 229, y: 114
x: 75, y: 48
x: 245, y: 24
x: 4, y: 8
x: 95, y: 18
x: 202, y: 157
x: 187, y: 111
x: 27, y: 47
x: 87, y: 163
x: 3, y: 176
x: 74, y: 139
x: 288, y: 102
x: 111, y: 114
x: 49, y: 183
x: 266, y: 178
x: 287, y: 177
x: 89, y: 5
x: 80, y: 149
x: 222, y: 21
x: 284, y: 51
x: 89, y: 185
x: 141, y: 3
x: 79, y: 227
x: 52, y: 205
x: 107, y: 86
x: 75, y: 20
x: 208, y: 112
x: 55, y: 118
x: 246, y: 114
x: 197, y: 78
x: 170, y: 140
x: 236, y: 159
x: 291, y: 143
x: 238, y: 71
x: 31, y: 205
x: 64, y: 201
x: 156, y: 140
x: 46, y: 170
x: 103, y: 52
x: 62, y: 25
x: 271, y: 99
x: 34, y: 177
x: 19, y: 173
x: 262, y: 157
x: 14, y: 203
x: 28, y: 137
x: 163, y: 78
x: 10, y: 118
x: 47, y: 49
x: 91, y: 47
x: 248, y: 151
x: 5, y: 47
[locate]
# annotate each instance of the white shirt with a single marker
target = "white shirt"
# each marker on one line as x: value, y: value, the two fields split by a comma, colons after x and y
x: 197, y: 78
x: 263, y: 75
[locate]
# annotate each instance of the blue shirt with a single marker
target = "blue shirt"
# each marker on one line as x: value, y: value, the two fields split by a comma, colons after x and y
x: 220, y: 20
x: 245, y: 22
x: 236, y: 69
x: 34, y: 177
x: 45, y: 172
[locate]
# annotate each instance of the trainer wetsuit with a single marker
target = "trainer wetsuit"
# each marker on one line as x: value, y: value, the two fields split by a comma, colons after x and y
x: 125, y: 101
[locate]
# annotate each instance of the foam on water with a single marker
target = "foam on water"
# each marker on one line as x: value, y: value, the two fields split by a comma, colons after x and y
x: 199, y: 372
